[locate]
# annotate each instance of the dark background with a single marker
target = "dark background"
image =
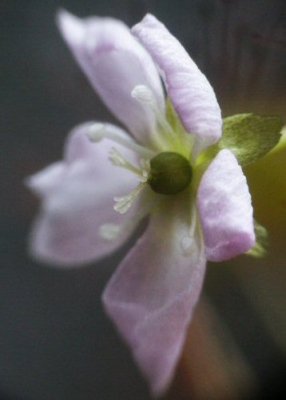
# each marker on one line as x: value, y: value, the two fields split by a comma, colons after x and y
x: 55, y: 342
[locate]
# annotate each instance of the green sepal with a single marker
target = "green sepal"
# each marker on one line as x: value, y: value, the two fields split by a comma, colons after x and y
x: 259, y: 250
x: 249, y: 136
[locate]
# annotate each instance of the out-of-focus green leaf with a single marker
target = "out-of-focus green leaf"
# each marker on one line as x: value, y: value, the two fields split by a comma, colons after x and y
x: 267, y: 183
x: 249, y: 136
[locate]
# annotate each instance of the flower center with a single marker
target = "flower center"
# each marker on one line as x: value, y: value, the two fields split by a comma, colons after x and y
x: 170, y: 173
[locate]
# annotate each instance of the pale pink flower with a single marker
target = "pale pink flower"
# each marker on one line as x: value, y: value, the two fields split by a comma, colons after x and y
x: 151, y: 296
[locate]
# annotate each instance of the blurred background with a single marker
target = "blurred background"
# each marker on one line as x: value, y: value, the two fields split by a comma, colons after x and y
x: 55, y: 341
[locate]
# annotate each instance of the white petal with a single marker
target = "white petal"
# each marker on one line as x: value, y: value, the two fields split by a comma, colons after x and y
x: 77, y: 203
x: 115, y: 63
x: 151, y: 297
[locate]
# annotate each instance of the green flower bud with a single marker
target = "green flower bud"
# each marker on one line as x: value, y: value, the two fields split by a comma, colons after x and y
x: 170, y: 173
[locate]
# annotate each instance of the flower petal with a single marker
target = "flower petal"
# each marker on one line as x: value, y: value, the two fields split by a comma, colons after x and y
x: 152, y: 295
x: 189, y: 90
x: 77, y: 203
x: 225, y: 208
x: 115, y: 63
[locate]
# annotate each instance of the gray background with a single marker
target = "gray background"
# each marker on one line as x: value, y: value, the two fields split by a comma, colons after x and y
x: 55, y: 342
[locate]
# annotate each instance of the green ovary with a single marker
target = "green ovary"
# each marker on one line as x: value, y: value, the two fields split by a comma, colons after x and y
x: 170, y: 173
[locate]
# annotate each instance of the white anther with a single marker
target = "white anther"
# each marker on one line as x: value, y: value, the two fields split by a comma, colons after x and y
x: 109, y: 231
x: 144, y: 95
x: 96, y: 132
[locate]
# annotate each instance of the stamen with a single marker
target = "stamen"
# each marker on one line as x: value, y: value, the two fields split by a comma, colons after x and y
x: 188, y: 240
x: 110, y: 231
x: 118, y: 160
x: 145, y: 96
x: 98, y: 131
x: 122, y: 204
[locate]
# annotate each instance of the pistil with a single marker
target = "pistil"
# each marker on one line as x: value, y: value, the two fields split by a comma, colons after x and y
x: 170, y: 173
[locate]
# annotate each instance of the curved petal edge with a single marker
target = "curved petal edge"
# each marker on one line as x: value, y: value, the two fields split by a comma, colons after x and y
x: 190, y: 92
x: 115, y: 63
x: 225, y: 209
x: 77, y: 223
x: 152, y: 295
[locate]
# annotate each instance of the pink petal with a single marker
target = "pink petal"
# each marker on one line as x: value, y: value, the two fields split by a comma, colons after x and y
x: 115, y: 63
x: 77, y: 199
x: 151, y: 297
x: 225, y: 208
x: 189, y: 90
